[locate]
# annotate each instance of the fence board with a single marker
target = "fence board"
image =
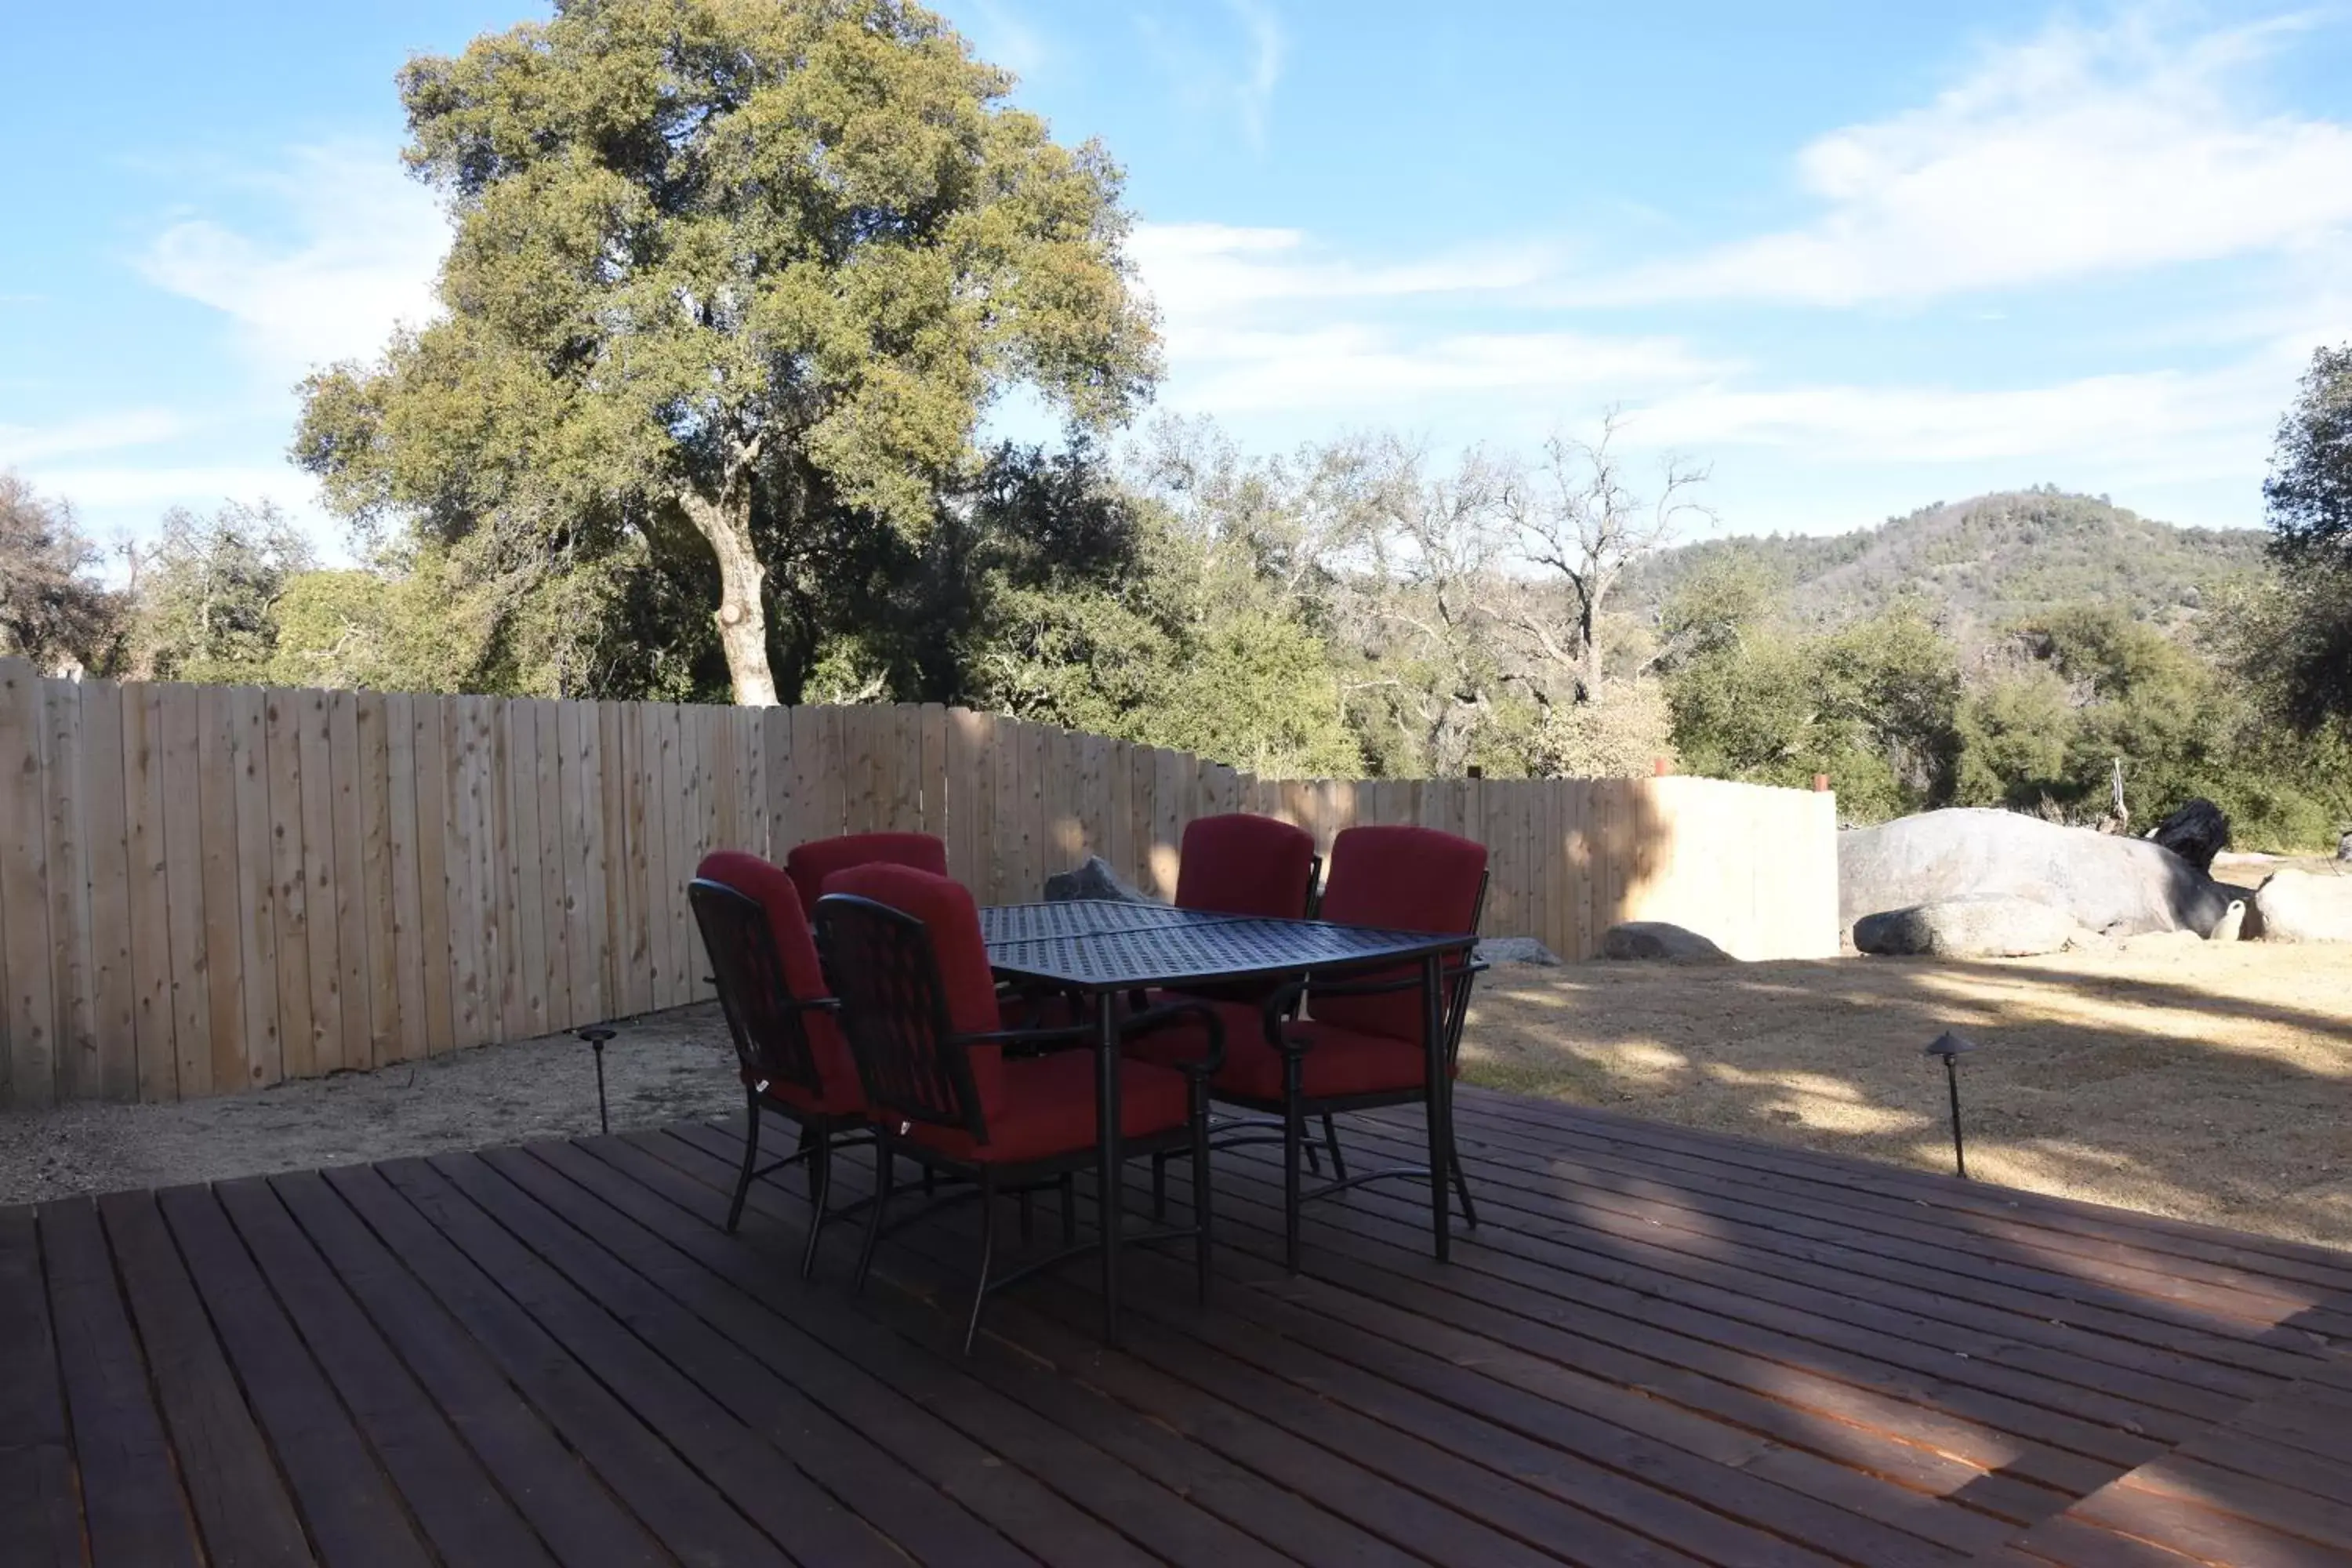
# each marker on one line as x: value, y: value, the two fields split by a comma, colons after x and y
x: 550, y: 913
x: 217, y: 784
x: 315, y: 781
x: 435, y: 958
x: 372, y: 749
x: 256, y: 888
x: 350, y: 879
x: 150, y: 931
x: 401, y: 850
x: 461, y: 826
x: 112, y: 985
x: 596, y: 898
x: 71, y: 959
x: 184, y: 893
x: 31, y: 1017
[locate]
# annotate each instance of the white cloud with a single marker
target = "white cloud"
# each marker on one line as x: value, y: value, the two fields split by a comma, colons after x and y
x: 2079, y: 153
x: 351, y: 248
x: 1201, y: 270
x: 1232, y: 77
x: 1266, y: 319
x: 2162, y: 426
x: 96, y: 433
x: 1003, y: 36
x: 200, y: 486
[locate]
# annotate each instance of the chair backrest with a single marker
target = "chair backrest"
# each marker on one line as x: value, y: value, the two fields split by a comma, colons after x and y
x: 1241, y: 864
x: 762, y: 961
x: 911, y: 970
x: 1406, y: 878
x: 812, y: 864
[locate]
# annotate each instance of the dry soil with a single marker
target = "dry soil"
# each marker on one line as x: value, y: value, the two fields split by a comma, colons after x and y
x: 2212, y: 1083
x: 2209, y: 1081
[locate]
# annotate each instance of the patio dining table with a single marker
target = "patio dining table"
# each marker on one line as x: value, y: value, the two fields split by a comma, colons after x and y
x: 1102, y: 949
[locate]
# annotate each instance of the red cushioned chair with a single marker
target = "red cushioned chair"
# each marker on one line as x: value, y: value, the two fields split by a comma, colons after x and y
x: 788, y: 1050
x: 919, y: 1008
x: 1239, y: 864
x: 813, y: 863
x: 1363, y: 1041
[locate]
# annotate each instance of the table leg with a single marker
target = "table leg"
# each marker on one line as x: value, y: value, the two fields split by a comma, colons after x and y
x: 1107, y: 1205
x: 1441, y: 1121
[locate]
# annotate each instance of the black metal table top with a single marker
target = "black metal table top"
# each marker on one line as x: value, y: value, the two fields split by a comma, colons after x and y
x: 1085, y: 917
x: 1221, y: 947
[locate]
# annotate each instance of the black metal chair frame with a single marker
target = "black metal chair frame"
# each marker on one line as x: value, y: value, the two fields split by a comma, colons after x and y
x: 897, y: 1111
x: 790, y: 1059
x: 1447, y: 989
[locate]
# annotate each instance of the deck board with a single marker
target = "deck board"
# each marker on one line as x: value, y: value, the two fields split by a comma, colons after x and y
x: 1662, y: 1347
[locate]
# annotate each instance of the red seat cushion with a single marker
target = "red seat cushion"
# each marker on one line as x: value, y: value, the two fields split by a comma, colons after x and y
x: 1047, y: 1109
x: 1405, y: 879
x: 952, y: 922
x: 840, y: 1092
x: 811, y: 864
x: 1239, y: 864
x: 1338, y: 1062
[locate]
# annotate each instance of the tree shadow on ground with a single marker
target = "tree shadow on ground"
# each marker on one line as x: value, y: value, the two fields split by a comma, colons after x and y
x: 2200, y: 1084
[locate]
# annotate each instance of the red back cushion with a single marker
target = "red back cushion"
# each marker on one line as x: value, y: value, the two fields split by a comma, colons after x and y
x: 1407, y: 879
x: 1245, y: 865
x: 795, y: 949
x: 952, y: 921
x: 811, y: 864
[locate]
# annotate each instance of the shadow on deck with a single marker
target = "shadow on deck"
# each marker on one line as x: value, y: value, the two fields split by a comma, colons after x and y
x: 1662, y: 1347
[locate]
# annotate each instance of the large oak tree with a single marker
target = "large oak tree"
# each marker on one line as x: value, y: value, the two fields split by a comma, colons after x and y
x: 727, y: 276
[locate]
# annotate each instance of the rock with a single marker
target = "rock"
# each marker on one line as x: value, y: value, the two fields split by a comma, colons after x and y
x: 1517, y: 949
x: 2197, y: 832
x: 2305, y: 906
x: 1661, y: 941
x: 2344, y: 848
x: 1980, y: 927
x: 2103, y: 883
x: 1094, y: 880
x: 2231, y: 923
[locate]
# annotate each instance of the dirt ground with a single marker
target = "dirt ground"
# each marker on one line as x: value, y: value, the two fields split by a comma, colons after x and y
x: 659, y: 1069
x: 2212, y: 1083
x: 2207, y: 1081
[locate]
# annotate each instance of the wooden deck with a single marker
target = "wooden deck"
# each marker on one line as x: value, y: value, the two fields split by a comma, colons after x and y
x: 1661, y: 1348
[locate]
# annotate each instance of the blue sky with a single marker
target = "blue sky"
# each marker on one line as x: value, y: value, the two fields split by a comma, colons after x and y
x: 1855, y: 257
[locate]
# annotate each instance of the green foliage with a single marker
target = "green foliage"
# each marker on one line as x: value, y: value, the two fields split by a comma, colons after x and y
x: 1874, y: 705
x: 2303, y: 651
x: 1089, y: 607
x: 2309, y: 491
x: 729, y: 287
x: 53, y: 610
x: 209, y: 593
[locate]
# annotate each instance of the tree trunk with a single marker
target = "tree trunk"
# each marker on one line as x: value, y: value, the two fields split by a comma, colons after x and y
x: 1589, y: 629
x: 742, y: 617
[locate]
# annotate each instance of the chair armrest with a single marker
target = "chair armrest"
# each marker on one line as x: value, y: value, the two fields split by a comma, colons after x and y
x: 1134, y: 1024
x: 1288, y: 995
x: 1062, y: 1034
x: 1166, y: 1012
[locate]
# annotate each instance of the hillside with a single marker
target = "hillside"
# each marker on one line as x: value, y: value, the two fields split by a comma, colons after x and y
x: 1983, y: 562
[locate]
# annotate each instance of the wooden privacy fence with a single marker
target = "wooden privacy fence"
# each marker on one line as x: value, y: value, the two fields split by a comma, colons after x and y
x: 210, y: 887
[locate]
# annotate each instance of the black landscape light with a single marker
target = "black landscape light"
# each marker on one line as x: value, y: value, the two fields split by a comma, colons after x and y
x: 596, y: 1038
x: 1951, y: 1045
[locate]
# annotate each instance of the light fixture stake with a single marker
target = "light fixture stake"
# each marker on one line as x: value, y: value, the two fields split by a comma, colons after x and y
x: 1952, y: 1045
x: 596, y: 1038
